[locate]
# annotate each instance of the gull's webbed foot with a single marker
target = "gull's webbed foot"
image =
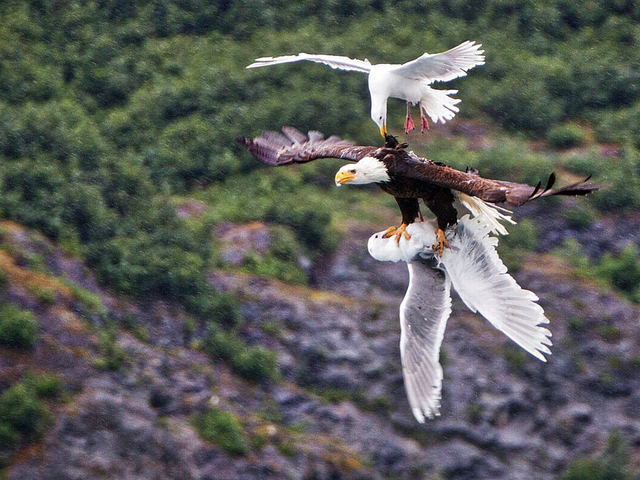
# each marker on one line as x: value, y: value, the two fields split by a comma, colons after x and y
x: 398, y: 232
x: 441, y: 242
x: 408, y: 123
x: 424, y: 123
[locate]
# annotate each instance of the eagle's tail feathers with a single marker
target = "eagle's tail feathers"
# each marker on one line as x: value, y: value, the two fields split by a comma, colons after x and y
x: 578, y: 188
x: 517, y: 194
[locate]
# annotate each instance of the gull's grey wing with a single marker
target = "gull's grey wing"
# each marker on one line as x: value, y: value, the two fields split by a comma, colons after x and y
x: 445, y: 66
x: 423, y: 317
x: 293, y: 146
x: 333, y: 61
x: 482, y: 281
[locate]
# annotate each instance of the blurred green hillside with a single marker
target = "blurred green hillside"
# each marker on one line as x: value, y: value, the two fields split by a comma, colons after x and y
x: 113, y: 111
x: 118, y: 121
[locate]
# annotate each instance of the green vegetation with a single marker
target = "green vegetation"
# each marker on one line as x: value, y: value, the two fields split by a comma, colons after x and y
x: 252, y: 363
x: 18, y: 328
x: 566, y: 136
x: 224, y: 429
x: 44, y: 385
x: 110, y: 111
x: 613, y: 464
x: 513, y: 248
x: 516, y: 357
x: 24, y: 415
x: 619, y: 271
x: 622, y: 270
x: 88, y: 300
x: 112, y: 357
x: 580, y: 216
x: 282, y: 260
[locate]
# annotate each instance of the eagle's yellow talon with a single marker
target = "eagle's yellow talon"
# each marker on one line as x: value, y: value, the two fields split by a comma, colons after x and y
x: 398, y: 232
x: 389, y: 231
x: 441, y: 242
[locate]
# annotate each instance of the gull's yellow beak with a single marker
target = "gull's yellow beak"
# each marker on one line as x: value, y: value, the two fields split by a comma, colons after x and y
x: 343, y: 176
x: 383, y: 130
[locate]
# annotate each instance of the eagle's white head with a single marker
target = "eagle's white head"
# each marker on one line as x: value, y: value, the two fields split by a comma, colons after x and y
x: 367, y: 170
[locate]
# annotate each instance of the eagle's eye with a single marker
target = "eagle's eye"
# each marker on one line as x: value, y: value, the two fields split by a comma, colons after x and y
x: 353, y: 170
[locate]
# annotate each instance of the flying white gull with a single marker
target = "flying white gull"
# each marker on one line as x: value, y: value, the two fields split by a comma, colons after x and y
x: 409, y: 81
x: 473, y: 267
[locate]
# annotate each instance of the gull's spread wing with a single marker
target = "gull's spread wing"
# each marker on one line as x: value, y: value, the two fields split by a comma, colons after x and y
x: 481, y: 280
x: 294, y: 146
x: 334, y: 61
x: 423, y: 318
x: 445, y: 66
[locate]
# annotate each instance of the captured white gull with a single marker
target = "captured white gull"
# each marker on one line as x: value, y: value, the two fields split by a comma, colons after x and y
x: 473, y: 267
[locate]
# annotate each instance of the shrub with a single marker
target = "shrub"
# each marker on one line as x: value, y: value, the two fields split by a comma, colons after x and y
x: 224, y: 429
x: 613, y: 464
x: 189, y: 155
x: 580, y: 216
x: 522, y: 239
x: 622, y: 271
x: 252, y: 363
x: 18, y: 328
x: 22, y: 412
x: 44, y: 385
x: 221, y: 308
x: 113, y: 356
x: 282, y: 261
x: 87, y: 299
x: 567, y: 135
x: 257, y: 363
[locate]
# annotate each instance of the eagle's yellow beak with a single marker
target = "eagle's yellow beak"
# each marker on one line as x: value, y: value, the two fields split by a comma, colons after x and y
x: 344, y: 176
x: 383, y: 130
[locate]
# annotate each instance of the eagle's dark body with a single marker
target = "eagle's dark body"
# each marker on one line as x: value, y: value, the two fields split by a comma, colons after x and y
x: 411, y: 177
x: 407, y: 191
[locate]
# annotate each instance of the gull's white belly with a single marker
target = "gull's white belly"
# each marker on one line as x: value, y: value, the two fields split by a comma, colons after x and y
x: 383, y: 82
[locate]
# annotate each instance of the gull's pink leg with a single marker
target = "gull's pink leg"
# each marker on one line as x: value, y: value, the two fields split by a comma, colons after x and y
x: 424, y: 122
x: 408, y: 123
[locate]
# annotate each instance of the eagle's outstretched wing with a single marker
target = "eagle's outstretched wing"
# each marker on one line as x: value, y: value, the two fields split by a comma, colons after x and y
x: 295, y: 147
x: 445, y: 66
x: 481, y: 280
x: 423, y: 317
x: 494, y: 191
x: 333, y: 61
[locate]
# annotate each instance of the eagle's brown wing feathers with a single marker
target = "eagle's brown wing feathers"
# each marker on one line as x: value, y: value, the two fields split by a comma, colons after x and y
x: 295, y: 147
x: 493, y: 191
x: 292, y: 146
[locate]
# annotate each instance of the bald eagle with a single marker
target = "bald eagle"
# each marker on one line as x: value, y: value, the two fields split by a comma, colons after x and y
x: 409, y: 81
x: 475, y: 271
x: 408, y: 178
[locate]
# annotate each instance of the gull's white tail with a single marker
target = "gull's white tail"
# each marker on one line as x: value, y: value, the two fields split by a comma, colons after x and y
x: 486, y: 213
x: 438, y: 105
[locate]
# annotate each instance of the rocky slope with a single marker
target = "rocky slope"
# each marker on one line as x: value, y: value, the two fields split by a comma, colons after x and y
x: 340, y: 410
